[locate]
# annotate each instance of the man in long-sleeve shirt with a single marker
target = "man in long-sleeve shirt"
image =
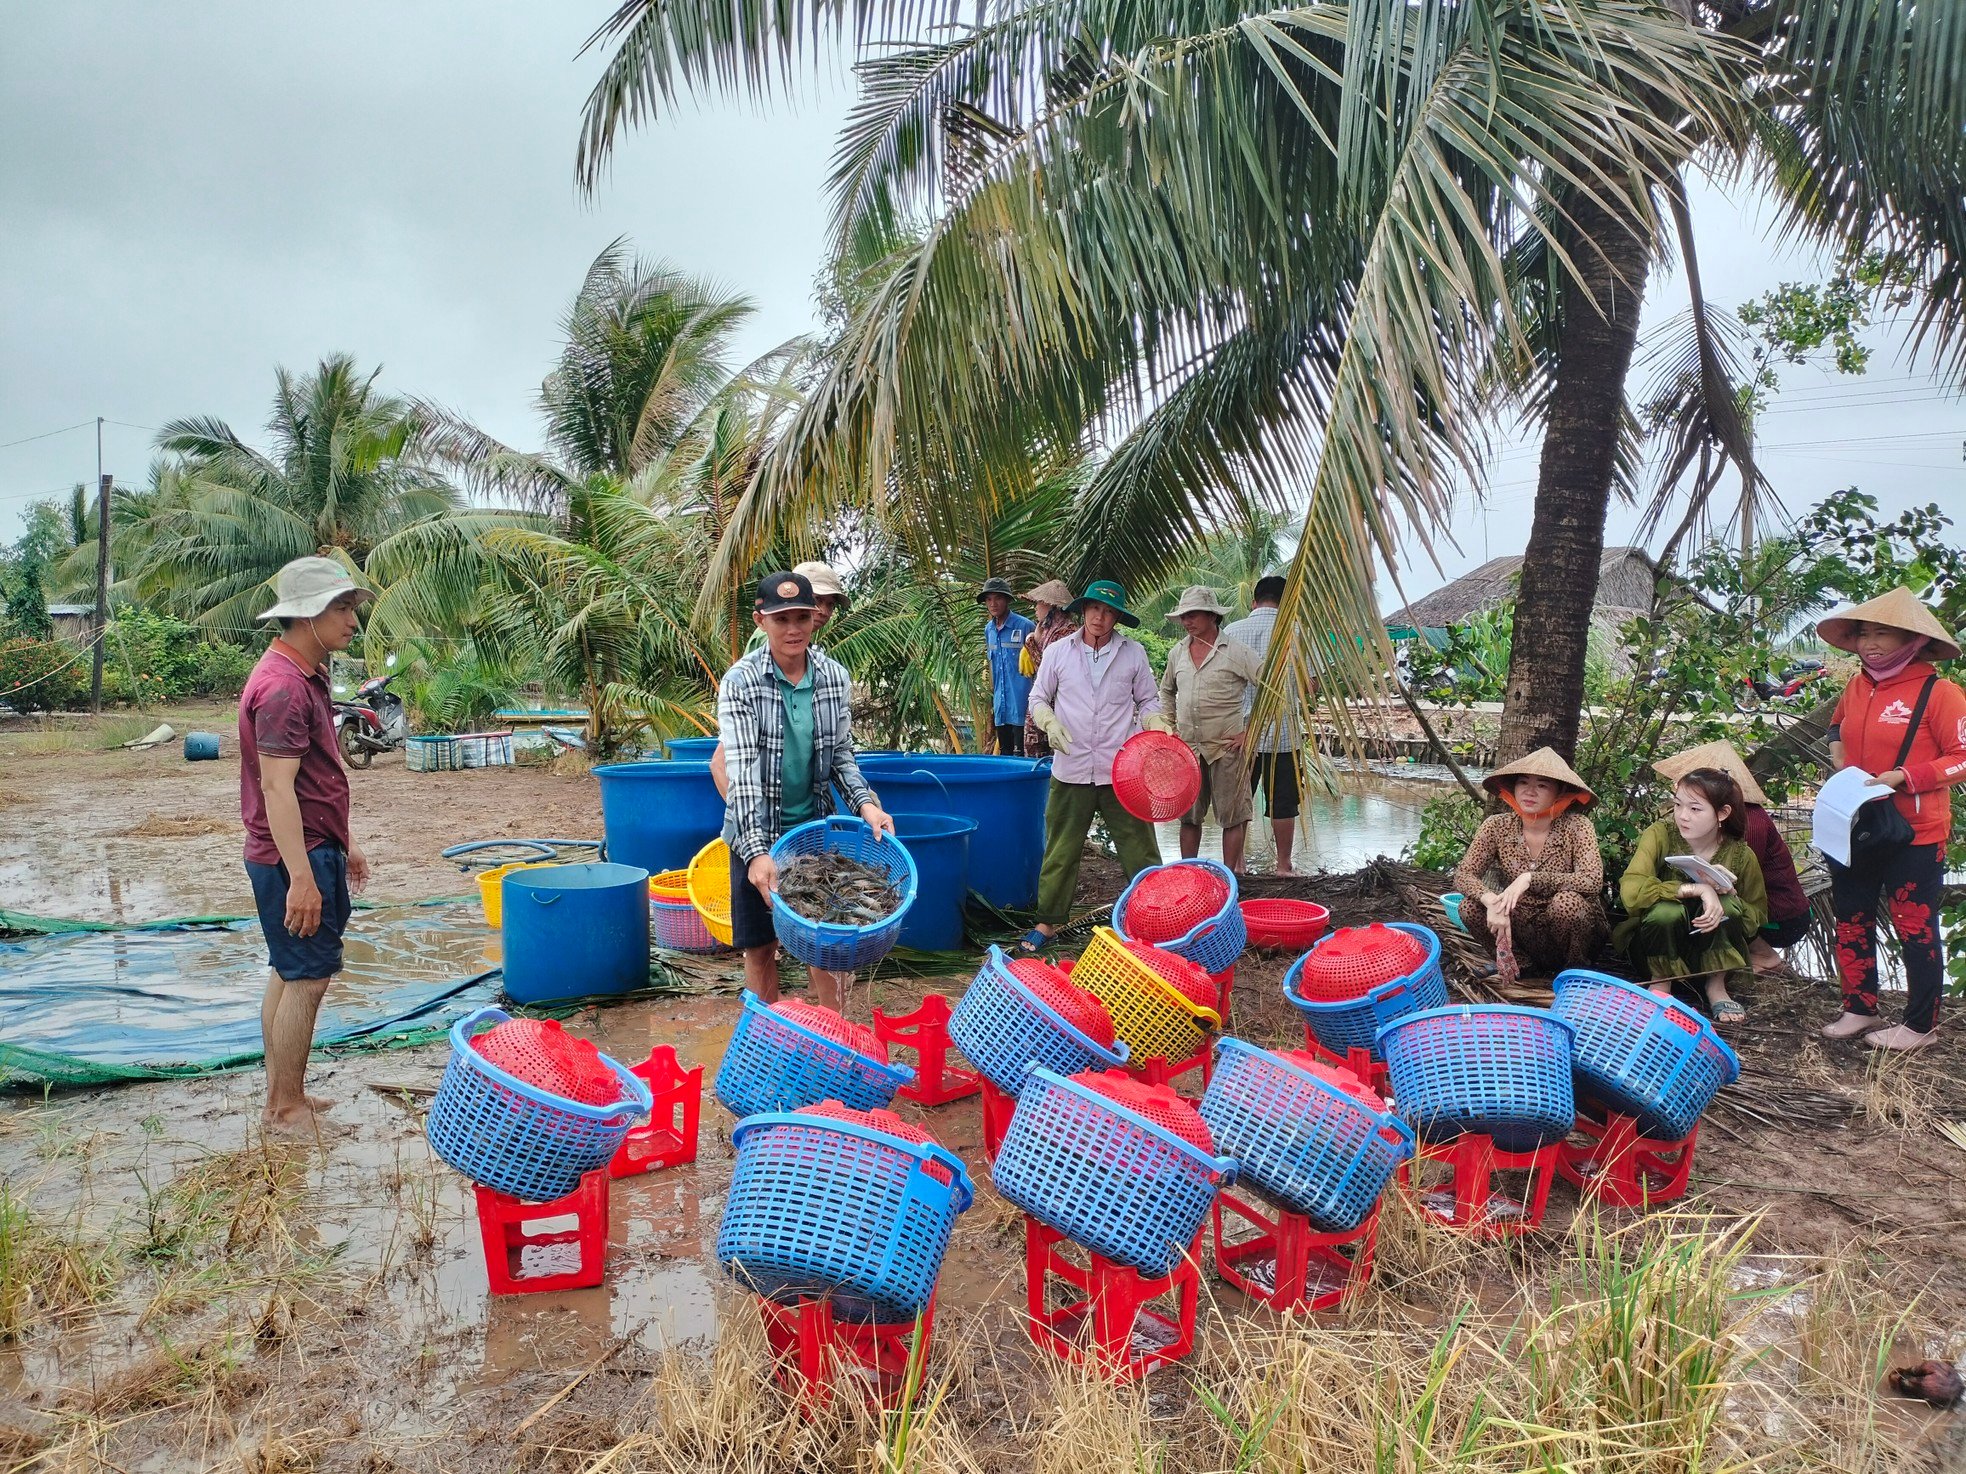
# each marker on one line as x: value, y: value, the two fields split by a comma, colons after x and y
x: 1207, y: 685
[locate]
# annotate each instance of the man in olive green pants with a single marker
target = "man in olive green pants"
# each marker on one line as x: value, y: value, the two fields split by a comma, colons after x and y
x: 1068, y: 811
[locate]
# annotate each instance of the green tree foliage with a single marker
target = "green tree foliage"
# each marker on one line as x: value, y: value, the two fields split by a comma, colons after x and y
x: 41, y: 675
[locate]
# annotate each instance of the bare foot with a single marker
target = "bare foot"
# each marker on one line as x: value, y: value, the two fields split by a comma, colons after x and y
x: 297, y: 1120
x: 1901, y: 1039
x: 319, y: 1103
x: 1848, y: 1025
x: 1664, y: 990
x: 1764, y: 957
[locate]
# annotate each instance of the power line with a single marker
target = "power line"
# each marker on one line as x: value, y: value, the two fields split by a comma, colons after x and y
x: 46, y: 434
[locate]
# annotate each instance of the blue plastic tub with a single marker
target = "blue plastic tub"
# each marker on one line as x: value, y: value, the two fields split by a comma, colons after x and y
x: 574, y: 930
x: 939, y: 844
x: 1485, y: 1069
x: 200, y: 747
x: 1643, y: 1055
x: 691, y: 749
x: 1004, y: 795
x: 658, y: 815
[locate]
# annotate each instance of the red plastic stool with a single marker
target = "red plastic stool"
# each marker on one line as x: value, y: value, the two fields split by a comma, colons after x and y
x: 1476, y: 1204
x: 1359, y: 1061
x: 926, y: 1031
x: 1615, y: 1165
x: 669, y: 1137
x: 811, y: 1351
x: 1286, y: 1263
x: 1225, y: 982
x: 1157, y: 1071
x: 998, y: 1108
x: 1110, y: 1326
x: 526, y: 1248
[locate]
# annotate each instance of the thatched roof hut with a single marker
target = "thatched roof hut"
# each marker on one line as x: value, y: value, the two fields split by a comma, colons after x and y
x: 1626, y: 580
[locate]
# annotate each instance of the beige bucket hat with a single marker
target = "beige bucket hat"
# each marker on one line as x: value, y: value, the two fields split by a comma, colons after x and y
x: 823, y: 580
x: 1199, y: 599
x: 1052, y: 591
x: 1542, y: 763
x: 1720, y: 756
x: 306, y: 586
x: 1901, y: 609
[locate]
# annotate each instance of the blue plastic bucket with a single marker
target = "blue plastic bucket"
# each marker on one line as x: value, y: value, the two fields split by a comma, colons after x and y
x: 658, y: 815
x: 940, y: 846
x: 1004, y: 796
x: 691, y: 749
x: 200, y: 747
x: 572, y: 930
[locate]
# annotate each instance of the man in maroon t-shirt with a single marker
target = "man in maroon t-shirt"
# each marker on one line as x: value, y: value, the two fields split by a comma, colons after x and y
x: 293, y: 797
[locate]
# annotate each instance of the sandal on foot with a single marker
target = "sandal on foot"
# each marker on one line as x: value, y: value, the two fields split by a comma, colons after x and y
x: 1726, y: 1011
x: 1031, y: 944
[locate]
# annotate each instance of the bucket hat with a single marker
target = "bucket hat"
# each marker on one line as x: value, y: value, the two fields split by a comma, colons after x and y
x: 778, y: 592
x: 1052, y: 591
x: 1199, y: 598
x: 1720, y: 756
x: 825, y: 583
x: 1112, y: 595
x: 306, y: 586
x: 1542, y: 763
x: 995, y: 586
x: 1902, y: 610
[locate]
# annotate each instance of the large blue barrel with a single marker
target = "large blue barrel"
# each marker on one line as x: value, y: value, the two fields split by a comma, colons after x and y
x: 1004, y: 795
x: 658, y: 815
x: 939, y: 844
x: 572, y: 930
x: 691, y: 749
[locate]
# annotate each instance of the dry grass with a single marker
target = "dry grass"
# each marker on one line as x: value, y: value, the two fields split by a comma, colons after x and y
x: 1898, y: 1095
x: 49, y: 1268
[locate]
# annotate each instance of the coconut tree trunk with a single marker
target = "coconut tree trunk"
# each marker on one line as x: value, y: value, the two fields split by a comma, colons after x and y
x: 1544, y: 700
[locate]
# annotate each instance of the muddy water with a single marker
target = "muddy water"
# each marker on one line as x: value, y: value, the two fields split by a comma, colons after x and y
x: 1371, y: 814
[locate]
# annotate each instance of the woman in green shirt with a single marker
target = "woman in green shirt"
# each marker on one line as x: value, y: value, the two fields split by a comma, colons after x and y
x: 1676, y: 926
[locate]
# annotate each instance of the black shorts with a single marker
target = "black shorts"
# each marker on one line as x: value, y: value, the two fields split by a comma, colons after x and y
x: 1276, y: 774
x: 298, y: 958
x: 750, y: 913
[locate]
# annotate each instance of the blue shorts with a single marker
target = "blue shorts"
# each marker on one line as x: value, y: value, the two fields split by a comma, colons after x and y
x: 298, y: 958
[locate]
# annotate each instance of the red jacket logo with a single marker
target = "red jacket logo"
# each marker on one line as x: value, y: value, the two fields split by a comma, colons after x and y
x: 1897, y: 714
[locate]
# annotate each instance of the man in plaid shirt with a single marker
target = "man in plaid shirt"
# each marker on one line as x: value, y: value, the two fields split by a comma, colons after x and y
x: 783, y: 716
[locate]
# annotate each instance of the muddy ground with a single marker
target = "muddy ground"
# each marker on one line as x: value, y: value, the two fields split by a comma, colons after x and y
x: 325, y: 1305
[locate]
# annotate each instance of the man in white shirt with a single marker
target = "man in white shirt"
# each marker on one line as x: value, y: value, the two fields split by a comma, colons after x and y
x: 1273, y: 768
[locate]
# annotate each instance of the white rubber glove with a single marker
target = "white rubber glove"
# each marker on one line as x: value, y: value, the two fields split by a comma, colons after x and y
x: 1053, y: 729
x: 1155, y: 721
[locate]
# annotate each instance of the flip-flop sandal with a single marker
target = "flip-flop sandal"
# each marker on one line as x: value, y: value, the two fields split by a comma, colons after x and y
x: 1031, y: 944
x: 1728, y: 1011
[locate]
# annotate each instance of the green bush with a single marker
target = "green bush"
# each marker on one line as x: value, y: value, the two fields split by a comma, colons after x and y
x: 42, y: 675
x: 155, y: 658
x: 1447, y: 826
x: 222, y: 669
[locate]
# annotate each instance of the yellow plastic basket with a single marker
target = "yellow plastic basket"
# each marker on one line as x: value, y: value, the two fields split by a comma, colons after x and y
x: 1154, y: 1018
x: 491, y: 897
x: 709, y: 888
x: 669, y: 885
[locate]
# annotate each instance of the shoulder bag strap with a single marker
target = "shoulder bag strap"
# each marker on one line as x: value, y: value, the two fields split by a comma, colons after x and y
x: 1917, y: 716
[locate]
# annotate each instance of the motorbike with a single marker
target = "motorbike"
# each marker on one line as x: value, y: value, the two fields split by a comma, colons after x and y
x: 1786, y: 689
x: 375, y: 720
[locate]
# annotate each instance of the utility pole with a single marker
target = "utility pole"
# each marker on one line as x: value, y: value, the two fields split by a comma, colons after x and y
x: 102, y: 574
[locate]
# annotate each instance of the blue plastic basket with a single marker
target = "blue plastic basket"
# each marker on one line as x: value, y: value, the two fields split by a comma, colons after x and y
x: 775, y: 1064
x: 1641, y: 1054
x: 677, y: 926
x: 1103, y: 1176
x: 1356, y: 1022
x: 819, y: 1206
x: 515, y: 1138
x: 1301, y: 1141
x: 1488, y: 1069
x: 826, y: 944
x: 1214, y: 944
x: 1001, y: 1026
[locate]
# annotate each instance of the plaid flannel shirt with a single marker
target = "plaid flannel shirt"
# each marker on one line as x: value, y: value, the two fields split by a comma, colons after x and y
x: 751, y: 721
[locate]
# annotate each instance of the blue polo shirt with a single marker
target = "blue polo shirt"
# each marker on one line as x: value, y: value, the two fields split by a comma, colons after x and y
x: 1012, y: 687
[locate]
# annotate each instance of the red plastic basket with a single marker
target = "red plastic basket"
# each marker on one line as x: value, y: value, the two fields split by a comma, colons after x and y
x: 1338, y: 1077
x: 1156, y: 776
x: 1156, y: 1103
x: 830, y: 1025
x: 885, y: 1121
x: 1354, y: 960
x: 1169, y: 902
x: 1070, y: 1002
x: 1284, y: 923
x: 1185, y: 977
x: 541, y: 1053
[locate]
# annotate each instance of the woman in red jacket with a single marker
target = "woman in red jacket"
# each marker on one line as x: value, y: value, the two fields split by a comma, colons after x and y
x: 1878, y: 726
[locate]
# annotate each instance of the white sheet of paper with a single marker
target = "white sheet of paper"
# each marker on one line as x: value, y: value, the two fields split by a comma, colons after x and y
x: 1848, y: 790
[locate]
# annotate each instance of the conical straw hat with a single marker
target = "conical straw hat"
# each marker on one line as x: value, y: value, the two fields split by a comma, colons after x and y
x: 1542, y: 763
x: 1900, y: 609
x: 1051, y: 591
x: 1719, y: 755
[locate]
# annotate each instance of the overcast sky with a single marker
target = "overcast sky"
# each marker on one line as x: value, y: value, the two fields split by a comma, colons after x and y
x: 195, y: 192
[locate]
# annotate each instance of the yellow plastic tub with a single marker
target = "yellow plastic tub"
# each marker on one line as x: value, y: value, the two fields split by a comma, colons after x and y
x: 669, y: 885
x: 489, y: 895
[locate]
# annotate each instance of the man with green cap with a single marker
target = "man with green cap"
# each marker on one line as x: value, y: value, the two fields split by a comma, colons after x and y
x: 1093, y: 691
x: 1010, y: 688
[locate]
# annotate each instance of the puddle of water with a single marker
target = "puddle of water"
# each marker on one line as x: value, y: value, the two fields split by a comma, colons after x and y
x: 1371, y: 815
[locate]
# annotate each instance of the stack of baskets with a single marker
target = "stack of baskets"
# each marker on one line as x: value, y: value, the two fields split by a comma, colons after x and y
x: 1187, y: 908
x: 855, y: 1206
x: 1360, y: 978
x: 831, y: 945
x: 1310, y: 1138
x: 707, y: 884
x: 1124, y: 1168
x: 792, y: 1054
x: 1022, y: 1011
x: 1642, y: 1055
x: 674, y: 921
x: 1162, y: 1006
x: 528, y: 1110
x: 1490, y: 1069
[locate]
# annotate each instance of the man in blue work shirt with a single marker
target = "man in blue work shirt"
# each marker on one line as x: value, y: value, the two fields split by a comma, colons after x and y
x: 1003, y: 635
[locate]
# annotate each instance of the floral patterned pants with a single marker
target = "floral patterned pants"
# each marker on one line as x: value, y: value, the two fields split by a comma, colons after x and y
x: 1910, y: 880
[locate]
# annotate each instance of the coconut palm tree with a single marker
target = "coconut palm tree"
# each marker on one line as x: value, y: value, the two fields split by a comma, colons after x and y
x: 1304, y: 256
x: 1276, y: 259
